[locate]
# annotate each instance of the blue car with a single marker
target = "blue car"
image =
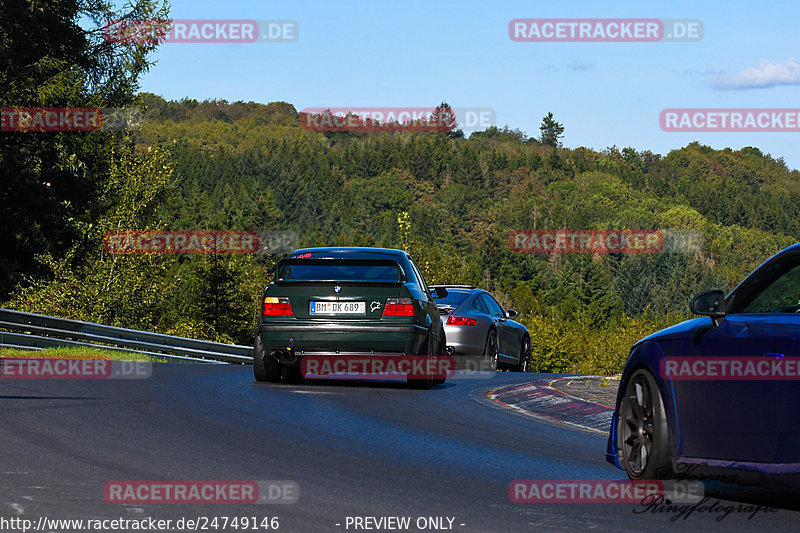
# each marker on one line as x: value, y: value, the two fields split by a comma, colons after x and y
x: 718, y: 397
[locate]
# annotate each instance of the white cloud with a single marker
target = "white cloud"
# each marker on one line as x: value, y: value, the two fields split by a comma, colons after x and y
x: 763, y: 76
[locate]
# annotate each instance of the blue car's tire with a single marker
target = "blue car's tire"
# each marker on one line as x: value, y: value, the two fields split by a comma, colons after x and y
x: 642, y: 432
x: 265, y: 368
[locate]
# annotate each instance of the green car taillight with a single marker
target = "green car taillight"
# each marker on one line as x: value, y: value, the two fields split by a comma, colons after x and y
x: 277, y: 306
x: 399, y: 307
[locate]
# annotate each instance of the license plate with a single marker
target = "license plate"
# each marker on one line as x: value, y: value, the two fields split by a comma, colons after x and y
x: 338, y: 308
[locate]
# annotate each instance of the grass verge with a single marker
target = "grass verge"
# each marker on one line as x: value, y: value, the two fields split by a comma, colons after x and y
x: 80, y: 352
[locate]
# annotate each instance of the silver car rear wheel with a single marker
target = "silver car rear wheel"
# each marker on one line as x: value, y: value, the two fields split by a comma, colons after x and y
x: 491, y: 349
x: 524, y: 364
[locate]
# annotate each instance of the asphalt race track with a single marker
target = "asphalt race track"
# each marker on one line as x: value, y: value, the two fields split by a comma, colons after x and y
x: 355, y: 450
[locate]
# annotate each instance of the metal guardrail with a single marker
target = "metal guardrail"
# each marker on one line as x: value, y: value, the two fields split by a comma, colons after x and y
x: 42, y: 331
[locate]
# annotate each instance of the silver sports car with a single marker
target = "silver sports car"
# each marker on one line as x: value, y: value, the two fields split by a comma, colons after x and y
x: 476, y: 325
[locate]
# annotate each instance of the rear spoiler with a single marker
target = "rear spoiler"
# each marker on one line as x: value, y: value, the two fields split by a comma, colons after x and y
x: 340, y: 261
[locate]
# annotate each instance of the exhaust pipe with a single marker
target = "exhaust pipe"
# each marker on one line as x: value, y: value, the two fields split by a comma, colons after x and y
x: 286, y: 355
x: 450, y: 350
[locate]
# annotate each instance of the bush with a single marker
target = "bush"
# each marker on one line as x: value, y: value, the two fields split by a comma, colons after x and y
x: 565, y: 347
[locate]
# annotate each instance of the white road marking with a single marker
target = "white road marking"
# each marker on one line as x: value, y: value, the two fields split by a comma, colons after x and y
x: 314, y: 392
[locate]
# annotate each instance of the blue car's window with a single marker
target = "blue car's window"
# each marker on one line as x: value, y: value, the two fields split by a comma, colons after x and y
x: 339, y: 272
x: 780, y: 296
x: 453, y: 298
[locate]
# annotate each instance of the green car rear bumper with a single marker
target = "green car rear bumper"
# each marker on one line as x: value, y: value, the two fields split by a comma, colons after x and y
x: 337, y: 338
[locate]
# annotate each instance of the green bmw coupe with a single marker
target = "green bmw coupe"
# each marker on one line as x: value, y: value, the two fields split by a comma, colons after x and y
x: 342, y: 302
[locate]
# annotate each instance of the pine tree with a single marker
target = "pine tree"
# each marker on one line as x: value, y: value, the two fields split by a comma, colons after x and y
x: 551, y: 131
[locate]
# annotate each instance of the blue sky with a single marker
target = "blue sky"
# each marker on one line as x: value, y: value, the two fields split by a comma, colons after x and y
x: 418, y: 53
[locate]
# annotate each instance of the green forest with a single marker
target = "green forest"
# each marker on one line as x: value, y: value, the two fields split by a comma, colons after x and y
x: 449, y: 199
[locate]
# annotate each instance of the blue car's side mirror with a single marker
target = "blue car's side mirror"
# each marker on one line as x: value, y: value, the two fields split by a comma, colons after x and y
x: 709, y: 303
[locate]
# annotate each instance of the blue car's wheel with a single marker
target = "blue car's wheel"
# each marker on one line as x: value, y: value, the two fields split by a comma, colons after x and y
x: 642, y: 433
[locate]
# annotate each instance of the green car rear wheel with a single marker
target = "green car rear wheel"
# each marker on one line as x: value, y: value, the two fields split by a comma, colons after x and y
x: 265, y: 368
